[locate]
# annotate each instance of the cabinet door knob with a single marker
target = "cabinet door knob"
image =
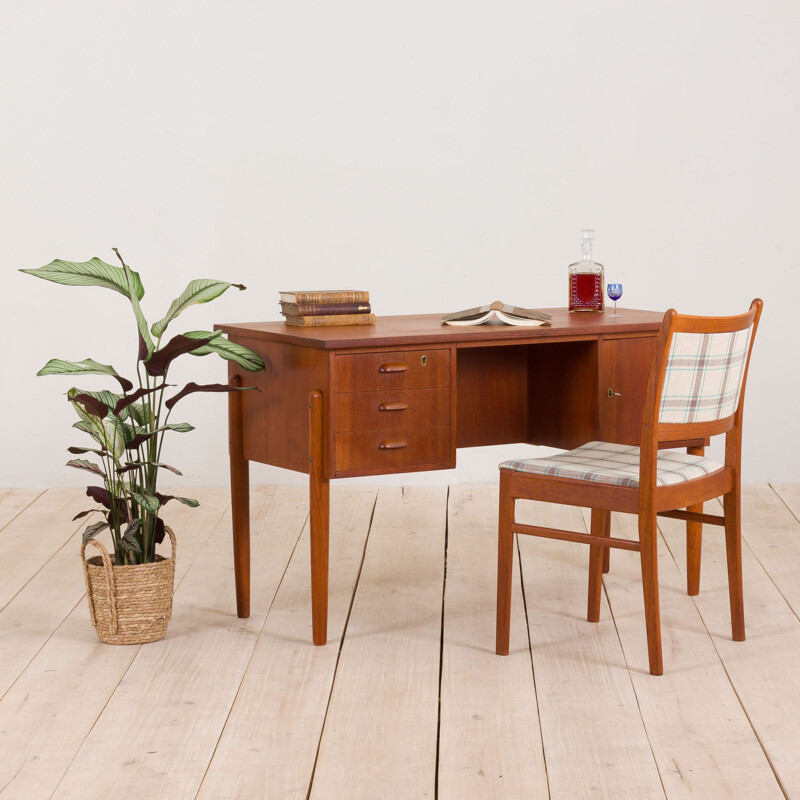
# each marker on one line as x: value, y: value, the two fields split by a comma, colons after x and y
x: 393, y: 405
x: 612, y: 393
x: 392, y: 366
x: 393, y: 444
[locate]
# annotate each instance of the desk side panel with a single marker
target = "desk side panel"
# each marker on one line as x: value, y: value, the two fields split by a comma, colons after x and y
x: 276, y: 426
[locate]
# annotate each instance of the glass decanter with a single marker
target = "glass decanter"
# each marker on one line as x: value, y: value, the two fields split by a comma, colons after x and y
x: 586, y: 278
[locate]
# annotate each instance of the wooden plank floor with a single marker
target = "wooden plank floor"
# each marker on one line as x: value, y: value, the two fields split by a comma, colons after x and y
x: 408, y: 699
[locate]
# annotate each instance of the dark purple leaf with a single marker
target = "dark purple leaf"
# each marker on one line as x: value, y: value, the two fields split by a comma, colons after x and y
x: 79, y: 450
x: 81, y: 514
x: 124, y: 383
x: 102, y: 496
x: 132, y: 398
x: 142, y: 353
x: 160, y: 532
x: 91, y: 404
x: 122, y: 509
x: 192, y: 387
x: 99, y: 495
x: 138, y: 440
x: 187, y: 501
x: 178, y: 345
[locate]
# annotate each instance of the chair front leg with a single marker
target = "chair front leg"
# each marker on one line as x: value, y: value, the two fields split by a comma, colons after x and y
x: 600, y: 526
x: 648, y: 542
x: 731, y: 504
x: 505, y: 565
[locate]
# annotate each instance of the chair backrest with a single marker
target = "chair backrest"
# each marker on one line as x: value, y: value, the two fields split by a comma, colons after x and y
x: 699, y: 374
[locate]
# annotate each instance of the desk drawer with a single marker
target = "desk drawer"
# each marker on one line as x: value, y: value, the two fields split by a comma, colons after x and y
x: 392, y: 409
x: 406, y: 369
x: 404, y: 447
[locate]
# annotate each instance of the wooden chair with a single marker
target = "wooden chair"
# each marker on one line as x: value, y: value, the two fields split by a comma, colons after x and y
x: 696, y: 390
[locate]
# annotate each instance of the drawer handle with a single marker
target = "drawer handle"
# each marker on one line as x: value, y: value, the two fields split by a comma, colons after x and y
x: 393, y: 405
x: 393, y: 444
x: 393, y: 366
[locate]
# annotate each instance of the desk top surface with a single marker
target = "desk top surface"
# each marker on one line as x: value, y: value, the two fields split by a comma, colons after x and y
x: 427, y: 329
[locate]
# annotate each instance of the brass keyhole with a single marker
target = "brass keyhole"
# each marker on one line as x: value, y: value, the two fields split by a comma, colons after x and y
x: 424, y: 361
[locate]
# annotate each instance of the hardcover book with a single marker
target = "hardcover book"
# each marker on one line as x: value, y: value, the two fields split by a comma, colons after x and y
x: 331, y: 319
x: 316, y: 309
x: 498, y: 312
x: 325, y: 296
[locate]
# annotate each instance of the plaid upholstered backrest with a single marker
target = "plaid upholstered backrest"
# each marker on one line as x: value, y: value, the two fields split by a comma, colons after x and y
x: 703, y: 376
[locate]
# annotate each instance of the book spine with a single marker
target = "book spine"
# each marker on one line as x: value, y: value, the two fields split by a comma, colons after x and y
x: 331, y: 297
x: 317, y: 309
x: 328, y: 320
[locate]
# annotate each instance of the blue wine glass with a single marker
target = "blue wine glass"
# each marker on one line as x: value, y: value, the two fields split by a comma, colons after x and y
x: 614, y: 291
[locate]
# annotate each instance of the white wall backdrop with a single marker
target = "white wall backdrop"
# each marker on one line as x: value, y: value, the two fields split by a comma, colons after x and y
x: 439, y: 154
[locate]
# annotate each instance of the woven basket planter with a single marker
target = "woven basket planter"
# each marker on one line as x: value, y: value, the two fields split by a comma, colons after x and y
x: 130, y: 604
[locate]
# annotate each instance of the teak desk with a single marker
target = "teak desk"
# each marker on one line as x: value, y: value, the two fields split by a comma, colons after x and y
x: 403, y: 395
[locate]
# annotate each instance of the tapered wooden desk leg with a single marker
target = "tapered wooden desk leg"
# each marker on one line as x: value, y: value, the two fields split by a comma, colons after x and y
x: 505, y: 566
x: 240, y: 500
x: 319, y: 513
x: 694, y: 540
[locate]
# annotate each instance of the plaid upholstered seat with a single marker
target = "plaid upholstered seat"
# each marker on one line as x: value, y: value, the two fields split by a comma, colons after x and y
x: 617, y: 464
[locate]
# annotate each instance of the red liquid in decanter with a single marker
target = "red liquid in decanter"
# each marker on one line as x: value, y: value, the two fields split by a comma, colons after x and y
x: 586, y: 291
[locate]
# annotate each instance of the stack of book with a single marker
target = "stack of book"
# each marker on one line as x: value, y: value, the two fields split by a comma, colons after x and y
x: 330, y: 307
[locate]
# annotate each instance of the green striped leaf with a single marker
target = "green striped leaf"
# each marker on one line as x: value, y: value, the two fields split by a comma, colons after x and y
x: 82, y: 463
x: 146, y: 501
x: 93, y: 530
x: 146, y: 346
x: 187, y: 501
x: 198, y: 291
x: 229, y: 350
x: 116, y: 439
x: 90, y: 273
x: 141, y: 437
x: 58, y: 366
x: 95, y: 432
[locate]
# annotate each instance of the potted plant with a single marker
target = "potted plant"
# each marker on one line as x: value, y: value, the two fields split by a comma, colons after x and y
x: 130, y: 590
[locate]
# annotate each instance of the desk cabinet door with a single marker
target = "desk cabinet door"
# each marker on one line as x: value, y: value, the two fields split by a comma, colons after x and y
x: 624, y: 370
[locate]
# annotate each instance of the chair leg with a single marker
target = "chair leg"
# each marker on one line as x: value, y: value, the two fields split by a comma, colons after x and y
x: 648, y: 541
x: 505, y: 566
x: 600, y: 526
x: 694, y: 540
x: 731, y: 504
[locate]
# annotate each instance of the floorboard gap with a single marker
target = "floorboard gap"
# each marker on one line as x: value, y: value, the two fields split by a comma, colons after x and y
x: 341, y: 645
x: 530, y: 653
x: 441, y: 651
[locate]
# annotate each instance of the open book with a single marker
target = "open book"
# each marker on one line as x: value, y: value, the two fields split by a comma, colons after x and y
x: 497, y: 312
